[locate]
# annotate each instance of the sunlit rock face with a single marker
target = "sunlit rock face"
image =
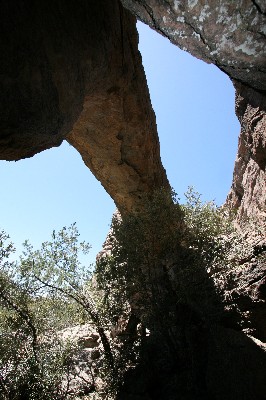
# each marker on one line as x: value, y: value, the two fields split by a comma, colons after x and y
x: 231, y: 35
x: 116, y: 132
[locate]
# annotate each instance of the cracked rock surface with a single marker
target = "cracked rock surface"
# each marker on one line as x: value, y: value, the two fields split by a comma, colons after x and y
x: 248, y: 191
x: 228, y: 34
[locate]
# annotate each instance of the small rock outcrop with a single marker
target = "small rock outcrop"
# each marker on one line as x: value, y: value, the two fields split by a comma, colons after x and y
x: 83, y: 376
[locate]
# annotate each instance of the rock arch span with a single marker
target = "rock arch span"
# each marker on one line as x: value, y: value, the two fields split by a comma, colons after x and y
x: 72, y: 70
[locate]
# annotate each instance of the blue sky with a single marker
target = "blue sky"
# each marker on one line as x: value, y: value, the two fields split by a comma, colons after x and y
x: 198, y: 130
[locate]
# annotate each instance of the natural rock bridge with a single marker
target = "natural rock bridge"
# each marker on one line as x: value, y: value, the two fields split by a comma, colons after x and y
x: 73, y: 71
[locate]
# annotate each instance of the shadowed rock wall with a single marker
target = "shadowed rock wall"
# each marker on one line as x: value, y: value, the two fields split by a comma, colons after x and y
x: 41, y: 85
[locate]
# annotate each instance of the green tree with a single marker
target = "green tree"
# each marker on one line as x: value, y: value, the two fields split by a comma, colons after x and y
x: 44, y: 292
x: 55, y: 270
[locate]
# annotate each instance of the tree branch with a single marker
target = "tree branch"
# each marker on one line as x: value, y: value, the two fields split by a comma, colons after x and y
x: 25, y: 317
x: 94, y: 316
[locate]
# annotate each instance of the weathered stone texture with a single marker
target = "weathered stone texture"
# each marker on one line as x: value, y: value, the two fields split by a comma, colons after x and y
x: 248, y: 192
x: 229, y: 34
x: 116, y: 132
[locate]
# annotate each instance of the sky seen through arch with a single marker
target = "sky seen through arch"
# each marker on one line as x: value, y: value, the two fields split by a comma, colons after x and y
x: 198, y: 130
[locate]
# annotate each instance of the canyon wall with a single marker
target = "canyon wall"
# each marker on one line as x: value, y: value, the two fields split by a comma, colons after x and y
x: 248, y: 191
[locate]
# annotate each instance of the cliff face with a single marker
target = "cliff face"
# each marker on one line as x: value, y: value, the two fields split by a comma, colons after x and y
x: 248, y: 191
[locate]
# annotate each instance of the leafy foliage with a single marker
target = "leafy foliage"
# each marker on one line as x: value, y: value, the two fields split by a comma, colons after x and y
x: 158, y: 258
x: 206, y: 229
x: 36, y: 300
x: 160, y: 253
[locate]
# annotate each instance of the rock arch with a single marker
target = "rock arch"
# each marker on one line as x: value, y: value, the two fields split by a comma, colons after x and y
x: 72, y: 71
